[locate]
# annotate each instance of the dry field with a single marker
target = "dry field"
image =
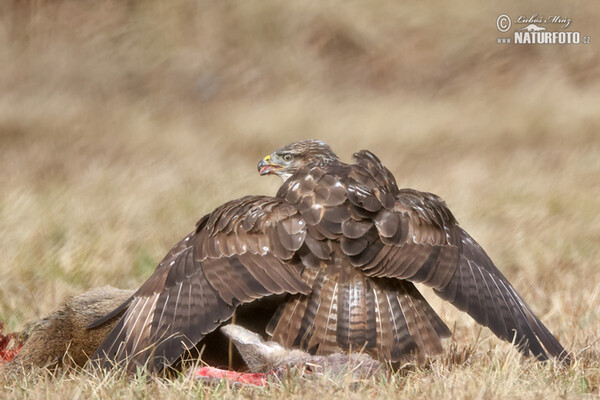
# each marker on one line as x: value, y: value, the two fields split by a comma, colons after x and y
x: 123, y: 122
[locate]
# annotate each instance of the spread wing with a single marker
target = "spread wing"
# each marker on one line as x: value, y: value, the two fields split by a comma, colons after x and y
x: 417, y: 238
x: 240, y: 252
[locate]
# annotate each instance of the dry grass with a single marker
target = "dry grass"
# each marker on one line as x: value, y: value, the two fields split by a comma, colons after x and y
x: 122, y: 123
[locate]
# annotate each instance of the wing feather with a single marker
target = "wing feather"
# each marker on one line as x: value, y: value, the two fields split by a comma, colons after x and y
x: 240, y: 252
x: 442, y: 255
x: 418, y: 239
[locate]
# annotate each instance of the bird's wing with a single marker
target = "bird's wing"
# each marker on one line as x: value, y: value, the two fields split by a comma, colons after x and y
x: 418, y: 239
x: 240, y: 252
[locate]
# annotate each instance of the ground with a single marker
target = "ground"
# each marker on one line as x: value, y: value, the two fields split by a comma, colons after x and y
x: 122, y: 123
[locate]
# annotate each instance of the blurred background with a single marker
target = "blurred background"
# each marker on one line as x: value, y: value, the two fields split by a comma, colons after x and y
x: 123, y: 122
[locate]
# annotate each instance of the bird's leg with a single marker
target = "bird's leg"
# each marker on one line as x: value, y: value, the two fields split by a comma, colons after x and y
x: 230, y: 349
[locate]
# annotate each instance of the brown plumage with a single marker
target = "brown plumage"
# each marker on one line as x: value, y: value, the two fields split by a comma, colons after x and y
x: 346, y: 244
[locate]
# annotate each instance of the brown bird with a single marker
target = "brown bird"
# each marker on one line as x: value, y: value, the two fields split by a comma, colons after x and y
x: 346, y: 245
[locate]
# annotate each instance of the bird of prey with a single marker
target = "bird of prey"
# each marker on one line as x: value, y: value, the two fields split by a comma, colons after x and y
x: 346, y: 245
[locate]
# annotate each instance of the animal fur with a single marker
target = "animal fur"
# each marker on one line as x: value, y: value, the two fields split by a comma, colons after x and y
x: 62, y: 339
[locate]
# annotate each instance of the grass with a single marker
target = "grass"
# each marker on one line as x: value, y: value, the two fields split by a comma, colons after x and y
x: 495, y: 374
x: 122, y: 124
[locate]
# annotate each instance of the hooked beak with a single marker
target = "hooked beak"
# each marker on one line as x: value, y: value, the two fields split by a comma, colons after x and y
x: 265, y: 166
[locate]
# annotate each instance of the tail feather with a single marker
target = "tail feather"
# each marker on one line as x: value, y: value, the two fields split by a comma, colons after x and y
x: 348, y: 311
x: 403, y: 342
x: 324, y: 337
x: 288, y: 325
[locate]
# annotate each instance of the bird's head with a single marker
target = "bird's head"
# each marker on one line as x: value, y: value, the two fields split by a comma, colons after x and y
x: 289, y: 159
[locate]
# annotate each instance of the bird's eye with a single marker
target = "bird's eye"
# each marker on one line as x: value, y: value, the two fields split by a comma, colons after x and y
x: 287, y: 157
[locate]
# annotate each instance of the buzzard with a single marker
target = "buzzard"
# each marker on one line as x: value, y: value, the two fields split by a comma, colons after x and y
x: 346, y: 245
